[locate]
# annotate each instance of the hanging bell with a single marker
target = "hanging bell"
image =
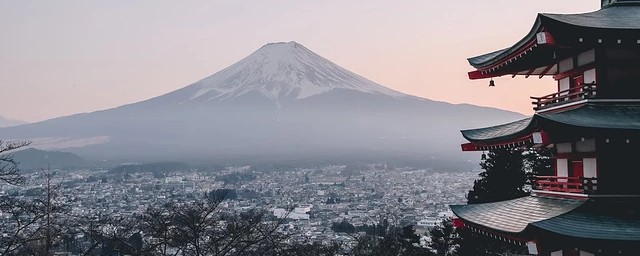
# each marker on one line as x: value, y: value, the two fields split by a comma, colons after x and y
x: 483, y: 157
x: 492, y: 83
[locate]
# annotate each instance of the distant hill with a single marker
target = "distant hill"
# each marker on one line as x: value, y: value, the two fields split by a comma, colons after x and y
x: 281, y: 104
x: 35, y: 159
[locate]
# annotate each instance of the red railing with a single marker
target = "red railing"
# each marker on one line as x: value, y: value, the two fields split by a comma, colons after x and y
x: 579, y: 185
x: 565, y: 96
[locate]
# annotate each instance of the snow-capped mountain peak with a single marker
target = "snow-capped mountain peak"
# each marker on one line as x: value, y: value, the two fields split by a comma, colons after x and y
x: 283, y: 71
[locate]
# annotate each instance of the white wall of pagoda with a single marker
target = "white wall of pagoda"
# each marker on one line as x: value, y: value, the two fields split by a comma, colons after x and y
x: 576, y: 159
x: 578, y: 66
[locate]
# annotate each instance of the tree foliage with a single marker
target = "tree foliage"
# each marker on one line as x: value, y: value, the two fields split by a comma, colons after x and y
x: 444, y: 239
x: 507, y: 174
x: 503, y: 177
x: 538, y: 162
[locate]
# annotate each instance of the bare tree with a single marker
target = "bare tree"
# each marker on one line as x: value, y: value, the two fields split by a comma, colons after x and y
x: 203, y: 228
x: 110, y: 235
x: 157, y: 221
x: 19, y: 231
x: 9, y: 171
x: 51, y: 228
x: 34, y: 225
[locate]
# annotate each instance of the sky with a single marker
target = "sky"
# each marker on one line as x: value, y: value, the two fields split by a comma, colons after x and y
x: 64, y: 57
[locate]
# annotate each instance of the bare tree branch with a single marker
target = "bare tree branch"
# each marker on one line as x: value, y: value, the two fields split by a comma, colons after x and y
x: 9, y: 171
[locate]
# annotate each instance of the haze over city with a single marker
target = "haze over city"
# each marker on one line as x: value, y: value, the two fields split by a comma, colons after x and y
x: 319, y: 128
x: 67, y: 57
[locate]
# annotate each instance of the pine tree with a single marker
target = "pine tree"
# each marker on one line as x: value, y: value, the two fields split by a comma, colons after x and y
x: 538, y: 162
x: 444, y: 239
x: 506, y: 172
x: 503, y: 177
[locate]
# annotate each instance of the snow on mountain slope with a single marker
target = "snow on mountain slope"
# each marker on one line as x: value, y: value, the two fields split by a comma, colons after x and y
x: 283, y: 71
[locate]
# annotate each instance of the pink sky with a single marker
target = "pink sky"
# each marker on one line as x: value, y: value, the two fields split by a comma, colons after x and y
x: 64, y: 57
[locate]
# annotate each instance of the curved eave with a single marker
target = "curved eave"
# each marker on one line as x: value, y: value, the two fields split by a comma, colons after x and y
x: 528, y: 57
x: 532, y: 55
x: 600, y: 219
x: 598, y: 117
x: 513, y: 216
x: 484, y: 61
x: 500, y: 133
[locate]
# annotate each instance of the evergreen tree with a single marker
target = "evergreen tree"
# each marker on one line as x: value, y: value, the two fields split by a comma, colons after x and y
x: 410, y: 240
x: 475, y: 244
x: 538, y: 162
x: 444, y: 239
x: 506, y: 174
x: 503, y: 177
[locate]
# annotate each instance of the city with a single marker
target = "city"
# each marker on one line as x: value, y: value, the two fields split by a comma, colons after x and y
x: 310, y: 199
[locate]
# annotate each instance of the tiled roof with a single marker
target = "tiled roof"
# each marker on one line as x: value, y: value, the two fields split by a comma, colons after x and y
x: 602, y: 220
x: 622, y: 15
x: 499, y: 132
x: 612, y: 116
x: 515, y: 215
x: 617, y: 16
x: 599, y: 115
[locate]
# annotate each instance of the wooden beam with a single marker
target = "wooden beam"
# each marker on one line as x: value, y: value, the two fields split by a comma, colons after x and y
x: 544, y: 72
x: 469, y: 147
x: 575, y: 71
x: 529, y: 73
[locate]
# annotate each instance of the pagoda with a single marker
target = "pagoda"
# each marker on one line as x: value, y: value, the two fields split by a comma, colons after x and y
x: 591, y: 123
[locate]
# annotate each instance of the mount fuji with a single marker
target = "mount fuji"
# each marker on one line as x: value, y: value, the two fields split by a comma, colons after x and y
x: 281, y: 103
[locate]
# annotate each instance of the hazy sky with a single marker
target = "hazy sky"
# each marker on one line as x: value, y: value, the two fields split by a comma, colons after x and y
x: 63, y: 57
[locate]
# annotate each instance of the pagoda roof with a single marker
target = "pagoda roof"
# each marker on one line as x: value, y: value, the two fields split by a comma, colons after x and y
x: 600, y: 219
x: 596, y: 220
x: 501, y: 132
x: 513, y: 216
x: 617, y: 116
x: 620, y: 15
x: 592, y: 116
x: 536, y: 53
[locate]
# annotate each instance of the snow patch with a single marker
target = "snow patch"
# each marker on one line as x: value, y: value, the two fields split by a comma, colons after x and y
x: 284, y: 70
x: 48, y: 143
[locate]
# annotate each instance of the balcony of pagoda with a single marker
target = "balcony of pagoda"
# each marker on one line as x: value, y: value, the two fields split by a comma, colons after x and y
x: 586, y: 91
x: 571, y: 185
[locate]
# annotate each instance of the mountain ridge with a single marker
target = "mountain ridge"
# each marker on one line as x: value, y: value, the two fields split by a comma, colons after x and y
x: 268, y: 106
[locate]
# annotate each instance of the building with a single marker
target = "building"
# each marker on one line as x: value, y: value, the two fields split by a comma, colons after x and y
x: 591, y: 205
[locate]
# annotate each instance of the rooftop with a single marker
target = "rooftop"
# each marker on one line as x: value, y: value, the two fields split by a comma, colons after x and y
x: 590, y: 219
x: 537, y: 52
x: 592, y: 115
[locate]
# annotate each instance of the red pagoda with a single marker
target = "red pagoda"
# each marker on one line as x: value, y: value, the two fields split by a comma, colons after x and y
x: 591, y: 205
